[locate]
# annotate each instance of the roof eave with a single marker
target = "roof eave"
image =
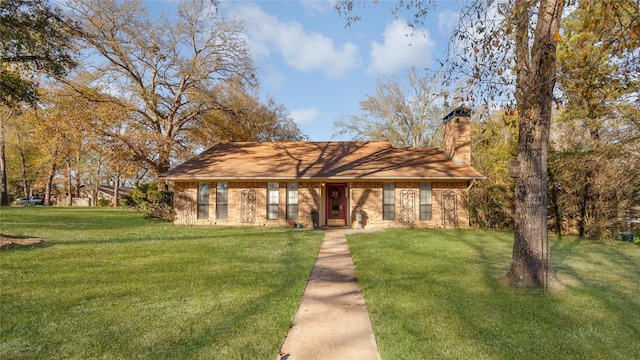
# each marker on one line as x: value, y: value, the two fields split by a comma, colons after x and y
x: 332, y: 178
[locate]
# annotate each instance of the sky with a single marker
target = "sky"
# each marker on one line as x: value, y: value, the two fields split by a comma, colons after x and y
x: 319, y: 69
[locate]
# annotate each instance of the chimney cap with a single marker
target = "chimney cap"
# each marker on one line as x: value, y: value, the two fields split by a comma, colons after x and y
x: 461, y: 111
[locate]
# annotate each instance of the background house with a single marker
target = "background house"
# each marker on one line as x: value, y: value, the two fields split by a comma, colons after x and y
x: 290, y: 182
x: 90, y: 195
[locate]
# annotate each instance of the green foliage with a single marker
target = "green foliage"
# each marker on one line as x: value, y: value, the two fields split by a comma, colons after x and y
x: 109, y: 284
x: 442, y: 293
x: 245, y: 118
x: 594, y: 188
x: 594, y: 167
x: 151, y: 202
x: 490, y: 207
x: 103, y: 202
x: 130, y: 42
x: 33, y: 39
x: 493, y: 149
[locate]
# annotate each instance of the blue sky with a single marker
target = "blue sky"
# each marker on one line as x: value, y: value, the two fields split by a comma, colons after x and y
x: 318, y: 68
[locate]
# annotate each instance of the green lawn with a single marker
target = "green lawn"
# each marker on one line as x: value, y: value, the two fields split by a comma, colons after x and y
x: 111, y: 285
x: 439, y: 294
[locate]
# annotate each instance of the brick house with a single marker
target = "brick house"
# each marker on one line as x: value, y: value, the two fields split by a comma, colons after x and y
x: 290, y: 183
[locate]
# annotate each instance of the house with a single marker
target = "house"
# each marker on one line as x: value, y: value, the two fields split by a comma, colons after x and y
x: 90, y: 195
x: 329, y: 183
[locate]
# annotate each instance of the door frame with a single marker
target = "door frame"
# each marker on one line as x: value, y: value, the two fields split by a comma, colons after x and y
x: 343, y: 218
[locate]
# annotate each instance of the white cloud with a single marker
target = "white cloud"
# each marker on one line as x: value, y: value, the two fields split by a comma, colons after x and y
x: 447, y: 21
x: 306, y: 115
x: 401, y: 48
x: 317, y: 6
x: 300, y: 49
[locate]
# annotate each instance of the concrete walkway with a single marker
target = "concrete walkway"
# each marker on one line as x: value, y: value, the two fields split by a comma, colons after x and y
x: 332, y: 321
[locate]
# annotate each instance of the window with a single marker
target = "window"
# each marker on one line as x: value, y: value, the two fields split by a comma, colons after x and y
x: 222, y: 200
x: 388, y: 201
x: 425, y: 201
x: 292, y: 201
x: 272, y: 201
x: 203, y: 201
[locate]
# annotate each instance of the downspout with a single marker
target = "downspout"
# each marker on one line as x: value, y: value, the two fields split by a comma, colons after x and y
x: 473, y: 181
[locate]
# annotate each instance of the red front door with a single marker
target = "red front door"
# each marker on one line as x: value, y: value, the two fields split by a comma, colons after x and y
x: 336, y: 205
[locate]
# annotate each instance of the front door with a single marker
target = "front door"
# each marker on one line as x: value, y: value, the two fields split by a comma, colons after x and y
x: 336, y: 205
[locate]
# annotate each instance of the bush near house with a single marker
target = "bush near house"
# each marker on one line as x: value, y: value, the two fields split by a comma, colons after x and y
x: 150, y: 202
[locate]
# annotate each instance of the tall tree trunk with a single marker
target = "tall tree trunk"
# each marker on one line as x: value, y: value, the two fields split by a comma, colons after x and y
x: 163, y: 164
x: 536, y: 72
x: 96, y: 189
x: 4, y: 197
x: 140, y: 176
x: 116, y: 187
x: 25, y: 181
x: 78, y: 175
x: 69, y: 185
x: 49, y: 187
x: 4, y: 190
x: 52, y: 173
x: 584, y: 202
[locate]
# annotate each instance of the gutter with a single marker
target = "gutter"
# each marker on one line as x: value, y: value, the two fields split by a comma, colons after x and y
x: 242, y: 178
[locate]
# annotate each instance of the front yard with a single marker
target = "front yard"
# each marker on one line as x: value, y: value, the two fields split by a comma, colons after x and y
x: 108, y: 284
x: 440, y: 294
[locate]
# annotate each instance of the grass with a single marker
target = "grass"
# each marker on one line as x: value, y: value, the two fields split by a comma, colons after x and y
x: 111, y: 285
x: 439, y: 294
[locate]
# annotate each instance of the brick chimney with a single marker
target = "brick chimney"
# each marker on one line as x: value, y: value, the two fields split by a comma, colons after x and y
x: 457, y: 136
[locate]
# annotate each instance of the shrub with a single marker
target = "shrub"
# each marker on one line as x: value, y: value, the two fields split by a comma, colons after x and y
x: 104, y: 202
x: 490, y: 207
x: 150, y: 202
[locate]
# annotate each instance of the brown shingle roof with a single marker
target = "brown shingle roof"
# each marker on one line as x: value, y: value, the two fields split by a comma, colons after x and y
x: 319, y: 160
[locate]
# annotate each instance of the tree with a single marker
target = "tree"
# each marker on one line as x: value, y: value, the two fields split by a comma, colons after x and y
x: 5, y: 115
x: 529, y: 32
x: 34, y: 41
x: 405, y: 114
x: 23, y: 153
x: 598, y: 88
x: 246, y: 119
x: 493, y: 145
x: 164, y: 76
x: 508, y: 48
x: 535, y: 66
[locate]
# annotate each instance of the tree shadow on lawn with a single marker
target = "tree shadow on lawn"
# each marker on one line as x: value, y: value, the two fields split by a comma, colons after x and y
x: 255, y: 323
x: 563, y: 250
x: 234, y: 336
x: 73, y: 220
x: 463, y: 319
x: 557, y: 324
x: 601, y: 267
x: 173, y: 233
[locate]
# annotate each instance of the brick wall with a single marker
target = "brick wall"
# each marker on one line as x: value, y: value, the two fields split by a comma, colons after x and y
x: 457, y: 139
x: 247, y: 204
x: 368, y: 197
x: 363, y: 194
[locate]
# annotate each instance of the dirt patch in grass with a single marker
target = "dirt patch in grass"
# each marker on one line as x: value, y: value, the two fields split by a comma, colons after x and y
x: 16, y: 242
